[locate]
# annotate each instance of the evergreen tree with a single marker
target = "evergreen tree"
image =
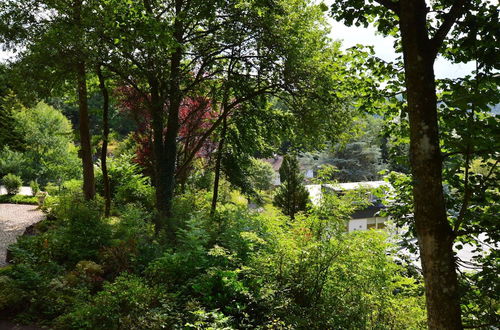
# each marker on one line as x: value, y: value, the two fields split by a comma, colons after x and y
x: 9, y: 137
x: 291, y: 196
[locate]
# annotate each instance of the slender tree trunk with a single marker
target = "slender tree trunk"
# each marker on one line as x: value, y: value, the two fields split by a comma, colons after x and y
x: 435, y: 235
x: 218, y: 162
x: 105, y: 136
x: 85, y: 147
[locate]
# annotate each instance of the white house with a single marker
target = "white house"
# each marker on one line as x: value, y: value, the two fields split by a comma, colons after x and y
x: 363, y: 219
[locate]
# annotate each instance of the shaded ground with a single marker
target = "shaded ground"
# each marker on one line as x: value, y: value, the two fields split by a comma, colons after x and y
x: 14, y: 219
x: 7, y: 325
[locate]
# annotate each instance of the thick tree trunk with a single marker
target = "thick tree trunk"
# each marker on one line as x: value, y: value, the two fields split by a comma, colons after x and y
x: 218, y: 162
x: 105, y: 136
x: 165, y: 147
x: 160, y: 160
x: 435, y: 235
x: 85, y: 147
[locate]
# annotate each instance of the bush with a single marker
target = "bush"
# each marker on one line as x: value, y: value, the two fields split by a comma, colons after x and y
x: 78, y: 233
x: 261, y: 174
x: 35, y: 188
x: 12, y: 161
x: 128, y: 303
x: 18, y: 199
x: 127, y: 184
x: 12, y: 183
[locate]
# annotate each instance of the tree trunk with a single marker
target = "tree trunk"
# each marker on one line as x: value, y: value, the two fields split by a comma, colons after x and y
x: 434, y: 233
x: 105, y: 136
x: 218, y: 162
x: 160, y: 161
x: 165, y: 148
x: 85, y: 148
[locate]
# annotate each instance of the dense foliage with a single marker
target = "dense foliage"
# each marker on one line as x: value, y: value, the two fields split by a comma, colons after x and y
x: 241, y: 269
x: 150, y: 133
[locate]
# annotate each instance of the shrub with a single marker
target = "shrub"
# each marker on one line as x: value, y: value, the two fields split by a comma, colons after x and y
x: 18, y: 199
x: 12, y: 161
x: 127, y: 183
x: 11, y: 296
x: 12, y: 183
x: 78, y: 233
x: 84, y: 231
x: 52, y: 188
x: 35, y: 188
x: 127, y: 303
x: 261, y: 174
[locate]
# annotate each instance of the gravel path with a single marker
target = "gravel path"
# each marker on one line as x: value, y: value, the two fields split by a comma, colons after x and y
x: 22, y: 191
x: 14, y: 219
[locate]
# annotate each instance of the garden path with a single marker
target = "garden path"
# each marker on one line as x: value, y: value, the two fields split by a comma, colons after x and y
x: 22, y: 191
x: 14, y: 219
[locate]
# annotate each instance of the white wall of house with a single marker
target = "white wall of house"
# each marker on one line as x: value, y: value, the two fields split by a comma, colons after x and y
x: 367, y: 223
x: 357, y: 224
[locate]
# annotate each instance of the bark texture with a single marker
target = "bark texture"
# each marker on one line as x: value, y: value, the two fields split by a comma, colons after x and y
x: 165, y: 145
x: 218, y: 162
x: 105, y: 136
x: 85, y: 152
x: 435, y: 235
x: 85, y: 147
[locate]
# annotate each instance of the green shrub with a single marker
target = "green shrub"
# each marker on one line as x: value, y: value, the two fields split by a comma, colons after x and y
x: 52, y: 188
x: 35, y: 188
x: 49, y: 152
x: 127, y: 303
x: 84, y: 232
x: 78, y: 233
x: 127, y: 183
x: 291, y: 196
x: 11, y: 296
x: 12, y: 161
x: 12, y: 183
x: 18, y: 199
x: 261, y: 174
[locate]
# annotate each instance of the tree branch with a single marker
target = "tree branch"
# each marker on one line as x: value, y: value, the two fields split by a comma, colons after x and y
x: 457, y: 10
x: 389, y: 4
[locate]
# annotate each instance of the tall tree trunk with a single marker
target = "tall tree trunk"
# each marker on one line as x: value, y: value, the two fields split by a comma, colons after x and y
x: 165, y: 149
x: 218, y: 162
x: 160, y: 160
x: 85, y: 147
x: 85, y: 152
x: 435, y: 235
x: 105, y: 136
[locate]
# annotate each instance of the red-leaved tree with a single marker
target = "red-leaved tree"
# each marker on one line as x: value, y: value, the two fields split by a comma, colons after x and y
x: 196, y: 116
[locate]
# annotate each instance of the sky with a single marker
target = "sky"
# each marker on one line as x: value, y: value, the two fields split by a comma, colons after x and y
x: 384, y: 48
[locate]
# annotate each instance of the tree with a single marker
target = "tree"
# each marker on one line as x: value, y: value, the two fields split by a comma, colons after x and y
x: 291, y: 196
x: 52, y: 36
x: 105, y: 137
x: 232, y: 53
x: 49, y: 154
x: 423, y: 29
x: 9, y: 137
x: 358, y: 157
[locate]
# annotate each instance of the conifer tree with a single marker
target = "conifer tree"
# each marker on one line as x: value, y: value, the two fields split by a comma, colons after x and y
x: 291, y: 196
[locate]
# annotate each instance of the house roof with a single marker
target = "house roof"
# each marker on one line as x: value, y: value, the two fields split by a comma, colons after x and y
x: 275, y: 162
x: 368, y: 212
x: 357, y: 185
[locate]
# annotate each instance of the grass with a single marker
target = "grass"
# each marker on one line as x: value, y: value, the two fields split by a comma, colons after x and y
x: 18, y: 199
